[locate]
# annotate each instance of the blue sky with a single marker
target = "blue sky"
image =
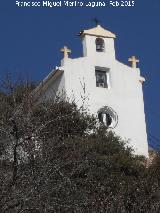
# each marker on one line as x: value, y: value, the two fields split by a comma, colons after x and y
x: 30, y: 39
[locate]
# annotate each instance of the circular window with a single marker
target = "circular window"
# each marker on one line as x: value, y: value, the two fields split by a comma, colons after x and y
x: 108, y: 117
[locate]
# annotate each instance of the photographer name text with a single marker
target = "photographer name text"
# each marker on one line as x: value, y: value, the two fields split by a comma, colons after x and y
x: 52, y: 4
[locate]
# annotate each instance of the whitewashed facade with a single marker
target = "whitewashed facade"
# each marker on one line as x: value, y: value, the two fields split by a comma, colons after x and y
x: 114, y: 90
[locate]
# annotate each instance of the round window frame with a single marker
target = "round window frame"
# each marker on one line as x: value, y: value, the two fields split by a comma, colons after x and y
x: 112, y: 113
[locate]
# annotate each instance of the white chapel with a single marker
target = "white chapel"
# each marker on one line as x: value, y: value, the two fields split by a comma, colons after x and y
x: 113, y: 89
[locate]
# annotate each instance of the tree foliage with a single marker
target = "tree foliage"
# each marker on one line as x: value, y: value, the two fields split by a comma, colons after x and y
x: 55, y: 158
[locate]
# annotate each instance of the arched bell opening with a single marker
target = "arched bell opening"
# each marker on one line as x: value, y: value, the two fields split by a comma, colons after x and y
x: 100, y: 46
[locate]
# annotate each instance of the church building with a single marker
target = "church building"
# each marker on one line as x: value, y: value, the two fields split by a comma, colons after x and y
x: 112, y: 89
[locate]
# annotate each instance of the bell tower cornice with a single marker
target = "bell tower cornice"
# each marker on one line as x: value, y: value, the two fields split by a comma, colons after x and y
x: 98, y: 31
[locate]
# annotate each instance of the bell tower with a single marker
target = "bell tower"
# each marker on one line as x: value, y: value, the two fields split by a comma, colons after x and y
x: 98, y: 41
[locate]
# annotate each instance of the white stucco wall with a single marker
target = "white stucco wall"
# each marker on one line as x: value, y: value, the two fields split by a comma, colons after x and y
x: 54, y: 87
x: 125, y: 95
x: 88, y: 43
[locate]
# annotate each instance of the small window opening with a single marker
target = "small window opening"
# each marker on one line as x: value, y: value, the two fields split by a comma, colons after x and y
x: 101, y: 79
x: 108, y: 117
x: 105, y: 118
x: 99, y: 45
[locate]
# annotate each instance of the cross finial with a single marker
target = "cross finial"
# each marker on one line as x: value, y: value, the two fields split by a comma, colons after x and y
x: 65, y: 51
x: 133, y: 61
x: 96, y: 21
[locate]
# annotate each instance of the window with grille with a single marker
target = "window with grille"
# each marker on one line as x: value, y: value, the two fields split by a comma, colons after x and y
x: 102, y: 77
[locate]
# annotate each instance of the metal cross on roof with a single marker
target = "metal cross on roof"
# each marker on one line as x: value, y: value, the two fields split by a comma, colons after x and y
x: 96, y: 21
